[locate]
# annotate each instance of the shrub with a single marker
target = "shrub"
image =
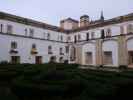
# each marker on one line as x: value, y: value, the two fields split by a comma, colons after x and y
x: 4, y: 62
x: 123, y: 67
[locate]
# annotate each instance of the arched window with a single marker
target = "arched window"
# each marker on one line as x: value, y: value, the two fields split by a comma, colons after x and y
x: 61, y: 60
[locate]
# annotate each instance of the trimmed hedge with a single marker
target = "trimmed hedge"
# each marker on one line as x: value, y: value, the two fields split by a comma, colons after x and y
x: 65, y: 82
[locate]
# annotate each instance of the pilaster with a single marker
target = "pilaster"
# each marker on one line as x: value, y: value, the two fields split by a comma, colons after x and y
x: 122, y: 50
x: 99, y: 52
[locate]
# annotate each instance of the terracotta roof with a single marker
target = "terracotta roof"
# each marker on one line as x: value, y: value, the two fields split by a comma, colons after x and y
x: 93, y: 24
x: 31, y: 22
x: 99, y: 23
x: 70, y: 20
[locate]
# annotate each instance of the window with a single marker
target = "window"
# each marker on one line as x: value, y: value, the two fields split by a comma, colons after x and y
x: 61, y: 38
x: 15, y: 59
x: 38, y: 59
x: 130, y: 57
x: 79, y: 37
x: 44, y: 35
x: 49, y: 49
x: 67, y: 49
x: 68, y: 38
x: 88, y: 57
x: 61, y: 51
x: 34, y: 50
x: 87, y: 36
x: 108, y: 58
x: 75, y: 38
x: 26, y: 32
x: 108, y: 33
x: 92, y: 35
x: 33, y: 46
x: 48, y: 36
x: 102, y: 34
x: 9, y: 29
x: 121, y: 30
x: 13, y: 45
x: 1, y: 28
x: 130, y: 28
x: 73, y: 54
x: 61, y: 60
x: 31, y: 32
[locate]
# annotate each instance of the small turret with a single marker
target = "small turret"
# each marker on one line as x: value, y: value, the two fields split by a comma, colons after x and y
x: 84, y: 21
x: 102, y: 17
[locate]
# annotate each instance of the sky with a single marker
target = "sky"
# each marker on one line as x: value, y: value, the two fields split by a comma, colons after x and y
x: 52, y: 11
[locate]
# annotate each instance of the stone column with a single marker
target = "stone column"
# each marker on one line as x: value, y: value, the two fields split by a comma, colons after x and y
x: 79, y: 54
x: 99, y: 58
x: 122, y: 50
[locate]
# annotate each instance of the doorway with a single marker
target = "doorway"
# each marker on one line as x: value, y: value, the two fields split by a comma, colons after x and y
x: 130, y: 57
x: 38, y: 59
x: 15, y: 59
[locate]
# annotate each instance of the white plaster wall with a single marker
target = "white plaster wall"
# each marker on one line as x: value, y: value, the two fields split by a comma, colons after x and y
x: 130, y: 45
x: 89, y: 47
x: 68, y: 25
x: 112, y: 46
x: 19, y: 29
x: 24, y: 48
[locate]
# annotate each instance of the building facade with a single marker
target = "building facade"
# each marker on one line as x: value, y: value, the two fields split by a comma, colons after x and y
x: 99, y: 42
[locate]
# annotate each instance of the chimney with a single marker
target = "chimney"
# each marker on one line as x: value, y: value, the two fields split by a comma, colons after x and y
x: 84, y: 21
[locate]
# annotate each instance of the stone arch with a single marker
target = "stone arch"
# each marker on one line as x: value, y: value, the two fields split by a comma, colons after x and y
x: 110, y: 39
x: 89, y: 54
x: 110, y: 52
x: 130, y: 38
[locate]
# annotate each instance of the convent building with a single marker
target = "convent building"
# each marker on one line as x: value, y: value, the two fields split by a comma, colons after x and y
x: 86, y: 42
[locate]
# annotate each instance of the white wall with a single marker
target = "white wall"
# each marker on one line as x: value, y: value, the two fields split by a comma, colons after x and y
x: 19, y: 29
x: 24, y: 48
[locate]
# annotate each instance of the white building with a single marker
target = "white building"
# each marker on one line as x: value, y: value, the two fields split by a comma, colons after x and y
x: 100, y: 42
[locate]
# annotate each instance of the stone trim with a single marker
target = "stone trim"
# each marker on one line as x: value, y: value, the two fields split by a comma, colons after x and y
x: 22, y: 36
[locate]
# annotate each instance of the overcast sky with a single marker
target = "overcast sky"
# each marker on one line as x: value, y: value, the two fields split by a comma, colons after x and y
x: 52, y: 11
